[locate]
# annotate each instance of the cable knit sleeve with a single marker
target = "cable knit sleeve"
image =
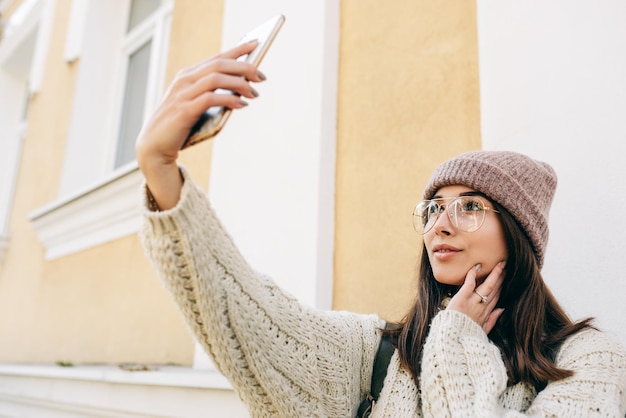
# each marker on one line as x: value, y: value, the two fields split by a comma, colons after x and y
x: 463, y: 375
x: 283, y: 359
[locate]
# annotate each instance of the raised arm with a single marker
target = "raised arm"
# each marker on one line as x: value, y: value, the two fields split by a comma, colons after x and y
x: 283, y: 358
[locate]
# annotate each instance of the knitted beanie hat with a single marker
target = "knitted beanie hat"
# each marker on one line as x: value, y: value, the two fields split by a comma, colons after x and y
x: 524, y: 186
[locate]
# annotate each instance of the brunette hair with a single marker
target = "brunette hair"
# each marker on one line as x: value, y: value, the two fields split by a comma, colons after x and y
x: 529, y: 332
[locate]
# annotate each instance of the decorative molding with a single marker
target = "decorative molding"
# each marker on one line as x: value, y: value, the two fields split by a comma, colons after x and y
x: 184, y: 377
x: 104, y: 212
x: 77, y: 25
x: 42, y: 45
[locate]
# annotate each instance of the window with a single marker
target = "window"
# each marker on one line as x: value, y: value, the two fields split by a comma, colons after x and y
x: 122, y: 49
x: 142, y: 52
x: 134, y: 103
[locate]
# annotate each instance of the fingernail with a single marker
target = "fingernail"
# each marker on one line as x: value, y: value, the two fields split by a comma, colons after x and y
x: 261, y: 76
x: 242, y: 103
x: 254, y: 92
x: 253, y: 41
x: 503, y: 264
x: 477, y: 267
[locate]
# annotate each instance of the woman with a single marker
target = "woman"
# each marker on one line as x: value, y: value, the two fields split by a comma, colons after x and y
x: 484, y: 338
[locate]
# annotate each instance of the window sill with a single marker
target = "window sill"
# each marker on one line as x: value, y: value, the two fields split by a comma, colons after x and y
x: 101, y: 213
x: 170, y: 376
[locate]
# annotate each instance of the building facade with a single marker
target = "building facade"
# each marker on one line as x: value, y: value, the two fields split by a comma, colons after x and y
x: 315, y: 180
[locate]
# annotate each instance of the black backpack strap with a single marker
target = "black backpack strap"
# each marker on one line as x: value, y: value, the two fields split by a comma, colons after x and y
x: 381, y: 363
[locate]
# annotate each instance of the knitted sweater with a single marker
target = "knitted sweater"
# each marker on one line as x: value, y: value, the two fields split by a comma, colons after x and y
x: 289, y: 360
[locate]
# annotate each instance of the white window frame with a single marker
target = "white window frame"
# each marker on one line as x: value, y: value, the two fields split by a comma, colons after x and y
x: 154, y: 28
x: 22, y: 54
x: 98, y: 203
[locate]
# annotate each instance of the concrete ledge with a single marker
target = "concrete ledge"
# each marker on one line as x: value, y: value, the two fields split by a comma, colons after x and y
x: 161, y: 376
x: 108, y: 391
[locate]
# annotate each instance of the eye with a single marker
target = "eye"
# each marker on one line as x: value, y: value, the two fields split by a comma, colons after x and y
x: 430, y: 211
x: 471, y: 204
x: 433, y: 208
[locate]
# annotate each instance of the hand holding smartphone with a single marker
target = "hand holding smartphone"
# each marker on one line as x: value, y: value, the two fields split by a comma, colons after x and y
x: 213, y: 120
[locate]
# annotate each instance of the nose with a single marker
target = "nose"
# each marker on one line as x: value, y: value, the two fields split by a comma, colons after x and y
x: 443, y: 225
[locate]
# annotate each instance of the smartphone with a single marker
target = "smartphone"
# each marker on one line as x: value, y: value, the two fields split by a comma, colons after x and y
x: 213, y: 120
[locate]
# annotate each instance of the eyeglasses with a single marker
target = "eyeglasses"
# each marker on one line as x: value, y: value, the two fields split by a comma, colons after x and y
x: 466, y: 213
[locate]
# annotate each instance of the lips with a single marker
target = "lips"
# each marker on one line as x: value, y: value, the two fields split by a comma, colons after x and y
x: 444, y: 251
x: 444, y: 248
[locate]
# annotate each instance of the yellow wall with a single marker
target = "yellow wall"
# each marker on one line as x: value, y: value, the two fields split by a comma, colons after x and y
x: 408, y: 99
x: 103, y: 304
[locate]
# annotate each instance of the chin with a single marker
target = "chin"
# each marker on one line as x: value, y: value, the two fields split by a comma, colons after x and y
x: 449, y: 277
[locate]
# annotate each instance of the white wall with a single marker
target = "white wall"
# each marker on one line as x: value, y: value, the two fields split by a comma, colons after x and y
x: 273, y: 169
x: 553, y: 86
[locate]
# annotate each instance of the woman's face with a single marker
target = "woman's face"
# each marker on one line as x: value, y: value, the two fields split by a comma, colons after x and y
x: 453, y: 252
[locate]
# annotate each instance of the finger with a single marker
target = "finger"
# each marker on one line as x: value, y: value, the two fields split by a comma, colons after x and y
x: 210, y: 99
x: 469, y: 285
x: 497, y: 287
x: 222, y: 81
x: 493, y: 280
x: 233, y: 67
x: 239, y: 50
x: 185, y: 79
x: 189, y: 112
x: 492, y: 295
x: 492, y: 319
x: 232, y: 53
x: 222, y: 75
x: 190, y: 101
x: 492, y: 299
x: 230, y: 62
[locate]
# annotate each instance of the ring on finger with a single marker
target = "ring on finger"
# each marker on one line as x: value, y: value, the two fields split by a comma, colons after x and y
x: 483, y: 299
